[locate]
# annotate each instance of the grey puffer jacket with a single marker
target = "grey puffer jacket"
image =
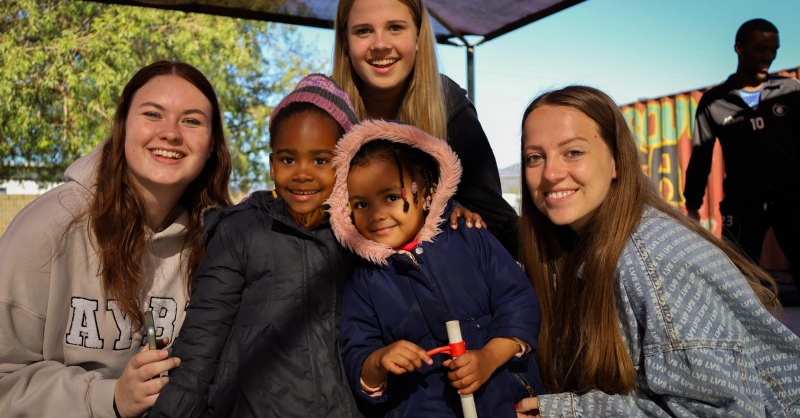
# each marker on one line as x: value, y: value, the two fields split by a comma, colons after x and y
x: 701, y: 343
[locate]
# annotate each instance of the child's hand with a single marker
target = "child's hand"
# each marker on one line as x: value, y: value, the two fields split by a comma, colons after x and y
x: 403, y: 356
x: 470, y: 370
x: 397, y: 358
x: 469, y: 217
x: 473, y: 368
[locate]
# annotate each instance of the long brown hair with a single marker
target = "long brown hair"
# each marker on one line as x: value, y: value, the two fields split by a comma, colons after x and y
x: 580, y: 343
x: 423, y: 105
x: 116, y: 214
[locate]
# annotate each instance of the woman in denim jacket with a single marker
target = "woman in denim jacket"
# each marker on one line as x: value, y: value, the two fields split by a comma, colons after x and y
x: 644, y: 312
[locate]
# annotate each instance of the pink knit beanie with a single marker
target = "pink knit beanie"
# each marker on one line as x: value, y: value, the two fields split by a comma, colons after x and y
x: 322, y: 92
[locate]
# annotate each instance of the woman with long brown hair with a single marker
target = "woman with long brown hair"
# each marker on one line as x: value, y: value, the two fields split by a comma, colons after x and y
x: 385, y: 60
x: 81, y: 264
x: 644, y: 312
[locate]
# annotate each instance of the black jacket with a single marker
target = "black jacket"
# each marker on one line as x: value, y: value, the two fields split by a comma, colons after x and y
x: 261, y: 332
x: 479, y: 190
x: 760, y: 146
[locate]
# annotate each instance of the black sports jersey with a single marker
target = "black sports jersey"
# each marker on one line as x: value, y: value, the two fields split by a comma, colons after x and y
x: 760, y: 145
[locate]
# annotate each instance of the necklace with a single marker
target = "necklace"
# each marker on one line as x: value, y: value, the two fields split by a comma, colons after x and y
x: 171, y: 216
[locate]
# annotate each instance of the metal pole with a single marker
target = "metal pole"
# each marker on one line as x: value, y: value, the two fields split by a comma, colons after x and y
x: 470, y: 53
x: 471, y: 72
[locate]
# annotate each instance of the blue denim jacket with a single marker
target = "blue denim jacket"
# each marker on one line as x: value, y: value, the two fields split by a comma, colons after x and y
x: 700, y: 341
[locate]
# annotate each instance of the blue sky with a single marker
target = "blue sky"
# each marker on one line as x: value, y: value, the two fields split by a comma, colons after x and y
x: 631, y: 49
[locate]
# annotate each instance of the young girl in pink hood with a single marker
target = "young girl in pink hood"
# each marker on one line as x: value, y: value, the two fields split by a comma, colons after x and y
x: 394, y: 188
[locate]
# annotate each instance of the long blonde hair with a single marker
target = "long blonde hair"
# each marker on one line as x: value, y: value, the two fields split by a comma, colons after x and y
x: 580, y: 343
x: 423, y: 104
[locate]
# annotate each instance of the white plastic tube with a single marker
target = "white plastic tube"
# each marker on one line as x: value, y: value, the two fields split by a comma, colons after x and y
x: 467, y: 401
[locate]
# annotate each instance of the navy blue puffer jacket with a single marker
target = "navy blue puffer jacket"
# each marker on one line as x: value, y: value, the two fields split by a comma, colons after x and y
x: 463, y: 274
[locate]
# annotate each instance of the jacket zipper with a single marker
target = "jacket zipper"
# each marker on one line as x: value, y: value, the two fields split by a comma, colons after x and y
x: 411, y: 256
x: 524, y: 383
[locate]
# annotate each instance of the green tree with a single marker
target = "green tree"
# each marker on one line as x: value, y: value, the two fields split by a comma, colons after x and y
x: 64, y: 64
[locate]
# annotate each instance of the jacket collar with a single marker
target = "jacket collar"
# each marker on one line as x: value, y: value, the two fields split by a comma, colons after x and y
x: 770, y: 83
x: 348, y: 146
x: 277, y: 209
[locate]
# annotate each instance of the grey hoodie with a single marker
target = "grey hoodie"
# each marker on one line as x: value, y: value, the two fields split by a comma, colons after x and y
x: 63, y: 344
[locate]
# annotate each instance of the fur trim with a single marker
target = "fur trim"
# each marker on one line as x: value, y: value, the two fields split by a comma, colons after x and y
x: 348, y: 146
x: 203, y: 213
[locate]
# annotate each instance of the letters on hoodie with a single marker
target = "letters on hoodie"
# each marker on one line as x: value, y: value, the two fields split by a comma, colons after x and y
x: 84, y: 332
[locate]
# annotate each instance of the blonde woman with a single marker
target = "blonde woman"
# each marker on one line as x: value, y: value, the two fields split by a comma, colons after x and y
x: 385, y: 59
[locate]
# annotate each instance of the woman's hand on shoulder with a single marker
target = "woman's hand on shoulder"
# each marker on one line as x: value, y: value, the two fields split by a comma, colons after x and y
x: 139, y: 385
x: 471, y: 218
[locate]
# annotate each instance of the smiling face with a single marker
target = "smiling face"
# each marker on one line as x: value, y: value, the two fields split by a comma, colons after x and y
x: 377, y: 204
x: 167, y: 135
x: 569, y: 168
x: 300, y: 163
x: 382, y: 41
x: 757, y: 54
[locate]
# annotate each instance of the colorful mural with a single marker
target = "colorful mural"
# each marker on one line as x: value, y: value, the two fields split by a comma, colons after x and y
x: 663, y: 128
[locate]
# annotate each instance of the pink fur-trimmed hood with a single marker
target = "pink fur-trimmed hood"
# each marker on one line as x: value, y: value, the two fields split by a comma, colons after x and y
x: 348, y: 146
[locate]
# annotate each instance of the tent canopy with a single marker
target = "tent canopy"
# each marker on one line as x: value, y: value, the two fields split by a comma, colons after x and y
x: 453, y: 19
